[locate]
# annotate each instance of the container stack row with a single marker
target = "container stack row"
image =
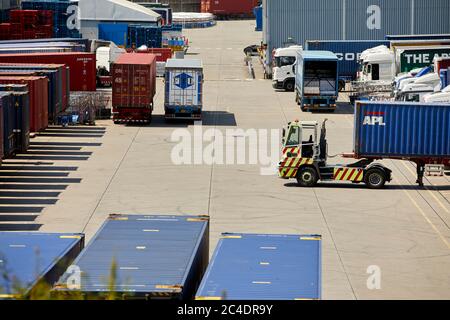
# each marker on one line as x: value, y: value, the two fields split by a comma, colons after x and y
x: 62, y: 26
x: 163, y: 257
x: 27, y: 24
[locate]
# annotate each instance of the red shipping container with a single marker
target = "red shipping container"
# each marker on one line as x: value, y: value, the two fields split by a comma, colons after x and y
x: 82, y: 66
x: 232, y: 8
x: 162, y: 54
x: 134, y: 86
x: 38, y: 92
x: 63, y: 69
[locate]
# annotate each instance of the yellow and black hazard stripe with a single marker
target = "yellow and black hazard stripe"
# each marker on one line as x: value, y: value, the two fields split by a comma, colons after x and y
x: 348, y: 174
x: 292, y: 150
x: 289, y: 167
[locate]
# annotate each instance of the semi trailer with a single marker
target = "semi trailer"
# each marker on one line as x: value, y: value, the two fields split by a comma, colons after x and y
x: 416, y: 132
x: 316, y: 80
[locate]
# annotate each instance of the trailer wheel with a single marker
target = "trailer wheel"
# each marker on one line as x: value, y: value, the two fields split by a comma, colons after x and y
x: 307, y: 177
x: 375, y: 178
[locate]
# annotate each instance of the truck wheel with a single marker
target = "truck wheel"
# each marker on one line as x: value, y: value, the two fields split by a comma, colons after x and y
x: 307, y: 177
x: 375, y: 179
x: 341, y: 86
x: 289, y: 86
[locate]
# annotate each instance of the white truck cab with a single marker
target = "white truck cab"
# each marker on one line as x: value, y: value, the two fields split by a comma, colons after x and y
x: 283, y: 72
x: 377, y: 66
x: 417, y: 90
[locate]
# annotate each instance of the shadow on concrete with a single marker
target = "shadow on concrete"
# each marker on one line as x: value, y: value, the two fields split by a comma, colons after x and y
x: 72, y: 144
x: 29, y: 194
x: 19, y: 227
x: 18, y: 218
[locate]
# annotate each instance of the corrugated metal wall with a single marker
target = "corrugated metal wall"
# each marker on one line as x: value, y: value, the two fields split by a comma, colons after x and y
x: 304, y: 20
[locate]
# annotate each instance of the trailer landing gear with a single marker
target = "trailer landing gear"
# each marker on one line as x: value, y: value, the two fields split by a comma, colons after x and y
x: 420, y: 173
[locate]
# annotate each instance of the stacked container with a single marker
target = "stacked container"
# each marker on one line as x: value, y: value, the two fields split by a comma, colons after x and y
x: 38, y: 92
x: 229, y: 8
x: 21, y: 102
x: 134, y: 87
x: 9, y: 143
x: 82, y: 66
x: 139, y: 35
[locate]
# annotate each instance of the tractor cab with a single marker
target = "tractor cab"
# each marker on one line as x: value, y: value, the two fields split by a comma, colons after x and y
x: 301, y: 139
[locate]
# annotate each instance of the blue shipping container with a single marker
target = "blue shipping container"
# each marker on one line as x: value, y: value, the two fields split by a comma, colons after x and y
x: 30, y: 258
x: 9, y: 139
x: 155, y: 257
x: 21, y: 125
x: 402, y: 130
x: 418, y: 37
x: 114, y: 32
x: 348, y: 53
x: 264, y: 267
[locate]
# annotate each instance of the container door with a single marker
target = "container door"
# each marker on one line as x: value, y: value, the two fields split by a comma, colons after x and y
x: 184, y: 88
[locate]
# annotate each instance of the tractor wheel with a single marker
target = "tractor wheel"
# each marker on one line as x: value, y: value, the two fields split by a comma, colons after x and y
x: 375, y: 178
x: 289, y: 86
x: 307, y: 177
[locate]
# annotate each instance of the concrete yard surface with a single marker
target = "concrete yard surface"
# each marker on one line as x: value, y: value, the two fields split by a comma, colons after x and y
x: 72, y: 179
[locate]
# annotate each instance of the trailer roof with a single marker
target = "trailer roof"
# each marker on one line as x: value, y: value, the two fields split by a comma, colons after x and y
x: 27, y: 256
x: 319, y: 55
x: 261, y: 266
x: 153, y: 253
x: 184, y: 63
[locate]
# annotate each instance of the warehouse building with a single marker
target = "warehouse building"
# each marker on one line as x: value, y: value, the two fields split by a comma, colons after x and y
x: 178, y: 5
x: 92, y: 13
x: 296, y: 21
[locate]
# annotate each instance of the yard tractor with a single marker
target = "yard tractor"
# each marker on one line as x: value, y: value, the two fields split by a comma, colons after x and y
x: 305, y: 155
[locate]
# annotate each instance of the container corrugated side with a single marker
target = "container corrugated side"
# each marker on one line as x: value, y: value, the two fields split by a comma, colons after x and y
x: 38, y: 91
x: 34, y: 258
x: 402, y: 130
x: 82, y: 66
x: 153, y: 256
x: 264, y: 267
x: 134, y: 81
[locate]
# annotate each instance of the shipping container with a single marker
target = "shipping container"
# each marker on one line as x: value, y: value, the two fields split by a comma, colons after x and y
x: 443, y: 74
x: 2, y: 151
x: 229, y: 8
x: 154, y: 257
x: 410, y: 37
x: 21, y: 102
x: 142, y: 35
x: 162, y: 54
x: 396, y: 130
x: 38, y: 93
x: 54, y: 89
x: 84, y: 44
x: 68, y: 46
x: 264, y: 267
x: 348, y: 53
x: 441, y: 63
x: 183, y: 98
x: 134, y: 87
x: 288, y: 22
x: 114, y: 32
x: 64, y: 71
x: 34, y: 260
x: 82, y: 66
x: 9, y: 142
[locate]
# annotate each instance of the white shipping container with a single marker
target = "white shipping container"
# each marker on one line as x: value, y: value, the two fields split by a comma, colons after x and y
x: 183, y: 88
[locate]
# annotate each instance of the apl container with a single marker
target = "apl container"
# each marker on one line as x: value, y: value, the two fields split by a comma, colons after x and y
x: 21, y: 102
x: 264, y: 267
x: 32, y: 260
x: 399, y: 130
x: 38, y: 92
x: 134, y: 86
x: 152, y: 257
x: 82, y: 66
x: 183, y: 97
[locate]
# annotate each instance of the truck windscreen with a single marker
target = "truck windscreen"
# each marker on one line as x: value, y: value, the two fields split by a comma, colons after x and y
x: 284, y: 61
